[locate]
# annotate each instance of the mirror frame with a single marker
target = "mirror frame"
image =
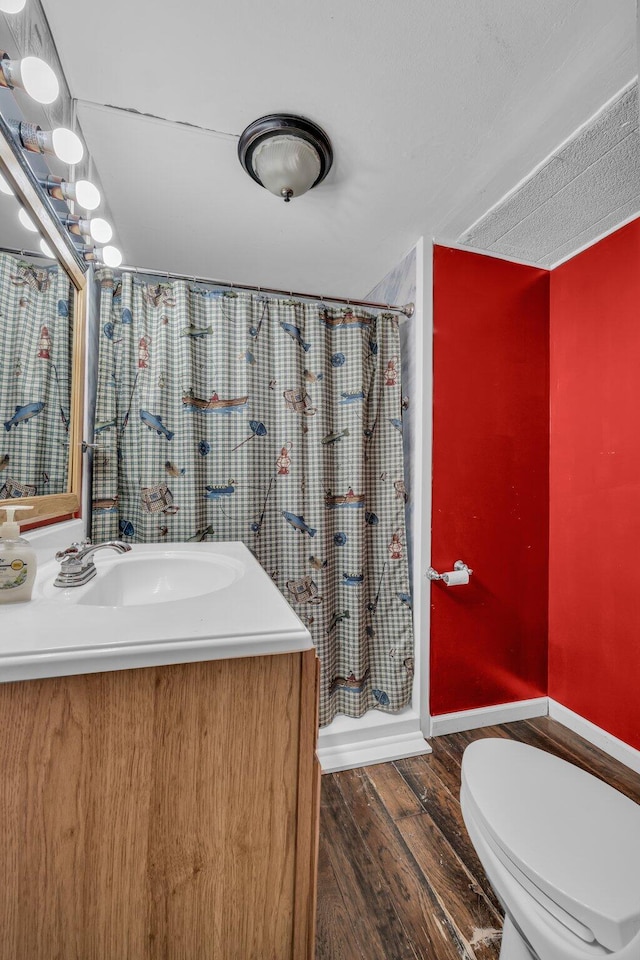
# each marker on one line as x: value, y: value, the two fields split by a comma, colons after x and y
x: 16, y: 170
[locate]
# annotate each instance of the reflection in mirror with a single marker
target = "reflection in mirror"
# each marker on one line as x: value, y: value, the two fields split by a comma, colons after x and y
x: 42, y: 313
x: 36, y: 341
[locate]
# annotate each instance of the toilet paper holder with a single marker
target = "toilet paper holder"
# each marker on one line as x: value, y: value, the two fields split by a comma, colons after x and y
x: 433, y: 574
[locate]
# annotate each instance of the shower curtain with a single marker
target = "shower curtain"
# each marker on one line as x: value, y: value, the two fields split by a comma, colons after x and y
x: 35, y: 358
x: 235, y: 416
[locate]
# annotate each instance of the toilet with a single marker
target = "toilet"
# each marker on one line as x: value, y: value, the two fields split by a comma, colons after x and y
x: 561, y: 850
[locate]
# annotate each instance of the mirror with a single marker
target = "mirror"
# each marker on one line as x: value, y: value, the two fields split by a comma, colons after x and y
x: 42, y: 316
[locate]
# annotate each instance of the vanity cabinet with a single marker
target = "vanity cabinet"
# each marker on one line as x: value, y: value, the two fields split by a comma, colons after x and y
x: 162, y: 813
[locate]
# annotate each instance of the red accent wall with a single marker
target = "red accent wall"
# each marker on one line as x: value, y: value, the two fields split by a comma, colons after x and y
x: 594, y: 590
x: 490, y: 480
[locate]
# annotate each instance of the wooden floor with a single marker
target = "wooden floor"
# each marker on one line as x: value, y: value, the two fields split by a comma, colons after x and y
x: 398, y: 877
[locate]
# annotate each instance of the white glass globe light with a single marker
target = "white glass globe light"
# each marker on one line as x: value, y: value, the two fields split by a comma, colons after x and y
x: 100, y: 230
x: 111, y: 256
x: 87, y: 195
x: 26, y: 220
x: 286, y: 165
x: 12, y: 6
x: 67, y: 145
x: 46, y: 249
x: 37, y: 79
x: 4, y: 187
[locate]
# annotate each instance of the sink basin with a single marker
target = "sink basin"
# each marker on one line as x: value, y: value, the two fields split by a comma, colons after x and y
x: 165, y: 576
x: 160, y: 603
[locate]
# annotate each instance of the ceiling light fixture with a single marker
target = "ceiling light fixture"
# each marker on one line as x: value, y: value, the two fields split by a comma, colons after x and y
x: 95, y: 229
x: 286, y: 154
x: 108, y: 256
x: 81, y: 192
x: 61, y: 143
x: 32, y: 75
x: 12, y: 6
x: 46, y: 249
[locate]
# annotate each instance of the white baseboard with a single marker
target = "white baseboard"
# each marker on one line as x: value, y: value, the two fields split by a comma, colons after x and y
x: 375, y: 738
x: 367, y: 752
x: 596, y: 735
x: 378, y: 738
x: 488, y: 716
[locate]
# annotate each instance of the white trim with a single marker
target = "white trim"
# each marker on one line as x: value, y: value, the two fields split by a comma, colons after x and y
x: 592, y: 243
x: 422, y: 489
x: 488, y: 716
x: 553, y: 154
x: 606, y: 742
x: 495, y: 255
x: 483, y: 252
x: 343, y: 730
x: 375, y: 738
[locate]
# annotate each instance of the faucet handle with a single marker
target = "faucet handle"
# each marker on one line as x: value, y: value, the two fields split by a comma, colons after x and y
x: 73, y: 550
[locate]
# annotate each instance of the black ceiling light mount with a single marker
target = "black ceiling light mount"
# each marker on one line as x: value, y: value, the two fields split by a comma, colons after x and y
x: 285, y: 154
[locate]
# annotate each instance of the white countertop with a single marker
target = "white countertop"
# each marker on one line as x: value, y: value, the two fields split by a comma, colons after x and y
x: 54, y: 635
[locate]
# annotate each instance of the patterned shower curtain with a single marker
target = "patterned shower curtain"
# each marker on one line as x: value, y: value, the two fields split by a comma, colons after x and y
x: 35, y: 381
x: 234, y: 416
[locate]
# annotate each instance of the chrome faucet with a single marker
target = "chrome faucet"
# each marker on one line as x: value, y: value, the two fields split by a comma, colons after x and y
x: 76, y: 562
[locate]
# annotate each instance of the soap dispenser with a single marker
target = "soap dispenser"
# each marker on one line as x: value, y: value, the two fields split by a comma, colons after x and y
x: 17, y: 560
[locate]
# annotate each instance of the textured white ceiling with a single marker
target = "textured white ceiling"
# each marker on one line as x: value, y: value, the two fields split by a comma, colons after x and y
x: 589, y: 185
x: 435, y: 108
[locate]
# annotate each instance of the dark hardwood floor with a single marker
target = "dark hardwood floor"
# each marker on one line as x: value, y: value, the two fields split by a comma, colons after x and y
x: 398, y: 877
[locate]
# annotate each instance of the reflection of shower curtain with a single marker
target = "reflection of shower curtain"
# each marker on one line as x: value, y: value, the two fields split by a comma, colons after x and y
x: 226, y: 416
x: 35, y: 358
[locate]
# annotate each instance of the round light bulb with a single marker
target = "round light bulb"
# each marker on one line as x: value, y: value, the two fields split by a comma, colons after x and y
x: 12, y: 6
x: 39, y: 80
x: 287, y: 166
x: 26, y: 220
x: 67, y: 145
x: 100, y: 230
x: 46, y: 249
x: 4, y: 187
x: 87, y: 195
x: 111, y: 256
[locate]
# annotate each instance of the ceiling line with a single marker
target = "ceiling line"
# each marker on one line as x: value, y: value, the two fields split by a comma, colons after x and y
x: 132, y: 112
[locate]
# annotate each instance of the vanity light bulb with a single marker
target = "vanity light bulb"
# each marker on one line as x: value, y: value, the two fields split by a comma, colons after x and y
x: 37, y: 79
x: 26, y: 220
x: 111, y: 256
x: 100, y: 230
x: 46, y: 249
x: 67, y: 146
x: 12, y: 6
x: 87, y: 195
x: 4, y: 187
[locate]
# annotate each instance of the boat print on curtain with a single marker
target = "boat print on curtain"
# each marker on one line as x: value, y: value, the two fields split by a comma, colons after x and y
x: 296, y: 453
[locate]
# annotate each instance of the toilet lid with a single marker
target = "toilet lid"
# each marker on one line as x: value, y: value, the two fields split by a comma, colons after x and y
x: 573, y: 837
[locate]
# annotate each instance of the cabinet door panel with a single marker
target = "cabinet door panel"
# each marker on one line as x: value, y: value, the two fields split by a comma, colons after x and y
x: 151, y: 813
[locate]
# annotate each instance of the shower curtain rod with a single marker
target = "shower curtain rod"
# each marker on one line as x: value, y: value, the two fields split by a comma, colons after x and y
x: 407, y: 309
x: 24, y: 253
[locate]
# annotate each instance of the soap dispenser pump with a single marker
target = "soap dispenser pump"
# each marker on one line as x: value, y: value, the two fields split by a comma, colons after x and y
x: 17, y: 560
